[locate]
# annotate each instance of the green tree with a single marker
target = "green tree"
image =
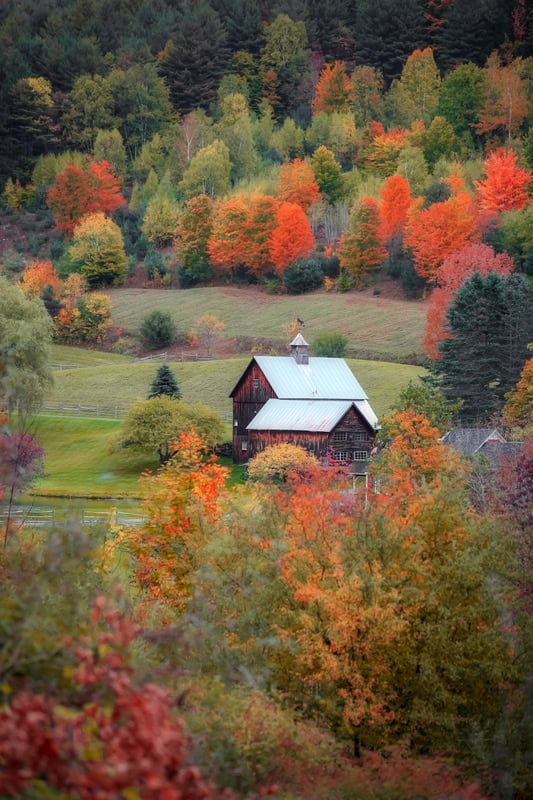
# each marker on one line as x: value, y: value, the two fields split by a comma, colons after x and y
x: 164, y: 383
x: 195, y: 57
x: 420, y: 82
x: 32, y: 125
x: 25, y: 334
x: 142, y: 105
x: 473, y: 29
x: 151, y: 426
x: 89, y: 108
x: 288, y: 140
x: 157, y: 330
x: 424, y: 397
x: 461, y: 98
x: 235, y: 130
x: 209, y: 172
x: 328, y: 174
x: 160, y: 219
x: 285, y: 54
x: 387, y: 32
x: 97, y: 250
x: 192, y: 234
x: 516, y: 234
x: 108, y: 146
x: 438, y: 141
x: 491, y: 325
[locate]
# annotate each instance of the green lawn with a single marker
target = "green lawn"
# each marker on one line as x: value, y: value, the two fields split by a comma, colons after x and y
x: 78, y: 462
x: 63, y: 355
x: 373, y: 324
x: 207, y: 382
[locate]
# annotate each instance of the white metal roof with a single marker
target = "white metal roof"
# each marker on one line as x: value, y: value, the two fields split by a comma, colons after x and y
x: 306, y: 415
x: 320, y: 379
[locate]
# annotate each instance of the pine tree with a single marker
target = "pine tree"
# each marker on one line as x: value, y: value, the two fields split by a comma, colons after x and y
x: 164, y: 383
x: 490, y: 324
x: 387, y: 33
x: 472, y: 30
x: 195, y: 58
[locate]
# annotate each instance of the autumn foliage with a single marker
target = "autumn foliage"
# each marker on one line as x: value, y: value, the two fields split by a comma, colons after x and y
x: 334, y: 90
x: 109, y: 737
x: 435, y: 232
x: 362, y: 250
x: 297, y: 184
x: 77, y: 192
x: 396, y: 202
x: 505, y: 187
x: 39, y: 275
x: 292, y: 237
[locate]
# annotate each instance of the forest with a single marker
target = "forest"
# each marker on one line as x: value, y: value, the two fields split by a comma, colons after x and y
x: 193, y: 177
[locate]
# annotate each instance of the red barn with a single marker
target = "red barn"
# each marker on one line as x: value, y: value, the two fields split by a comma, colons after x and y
x: 316, y: 403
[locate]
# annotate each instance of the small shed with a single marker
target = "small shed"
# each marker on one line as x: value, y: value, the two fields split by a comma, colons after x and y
x: 316, y: 403
x: 488, y: 443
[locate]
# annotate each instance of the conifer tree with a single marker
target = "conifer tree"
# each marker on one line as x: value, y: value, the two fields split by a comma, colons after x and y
x: 164, y: 383
x: 490, y: 324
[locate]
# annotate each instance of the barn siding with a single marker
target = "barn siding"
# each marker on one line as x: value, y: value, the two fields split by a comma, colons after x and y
x: 250, y: 396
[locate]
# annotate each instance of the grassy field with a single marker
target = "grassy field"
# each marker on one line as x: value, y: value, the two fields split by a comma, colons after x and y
x: 79, y: 356
x: 374, y: 325
x: 78, y: 462
x: 207, y: 382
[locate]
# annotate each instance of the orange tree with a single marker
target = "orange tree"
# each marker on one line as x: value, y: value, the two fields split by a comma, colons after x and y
x: 505, y: 187
x: 77, y: 192
x: 361, y: 250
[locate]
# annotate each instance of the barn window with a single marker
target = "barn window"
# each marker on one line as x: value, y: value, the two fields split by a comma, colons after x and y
x: 340, y: 456
x: 255, y: 383
x: 244, y: 445
x: 360, y: 436
x: 360, y: 455
x: 341, y: 436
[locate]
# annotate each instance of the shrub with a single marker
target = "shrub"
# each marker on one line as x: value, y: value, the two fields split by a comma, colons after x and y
x: 274, y: 463
x: 303, y: 275
x: 157, y: 330
x: 153, y: 262
x: 330, y: 345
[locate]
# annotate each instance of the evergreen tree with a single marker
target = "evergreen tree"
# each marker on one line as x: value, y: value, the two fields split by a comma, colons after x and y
x: 195, y: 57
x: 164, y: 383
x: 242, y: 21
x: 387, y: 33
x: 472, y: 30
x: 490, y: 324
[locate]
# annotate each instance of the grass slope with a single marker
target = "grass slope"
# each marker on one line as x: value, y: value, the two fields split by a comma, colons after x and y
x: 79, y: 356
x: 373, y: 324
x: 207, y: 382
x: 78, y: 462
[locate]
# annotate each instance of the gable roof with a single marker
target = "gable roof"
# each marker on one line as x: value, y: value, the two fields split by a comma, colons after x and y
x: 470, y: 440
x: 320, y: 379
x: 316, y: 416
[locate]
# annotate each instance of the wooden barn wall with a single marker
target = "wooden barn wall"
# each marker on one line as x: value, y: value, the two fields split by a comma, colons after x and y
x: 250, y: 396
x: 315, y: 443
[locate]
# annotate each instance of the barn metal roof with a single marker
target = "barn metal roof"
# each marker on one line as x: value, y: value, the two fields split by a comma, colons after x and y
x: 320, y: 379
x: 318, y: 416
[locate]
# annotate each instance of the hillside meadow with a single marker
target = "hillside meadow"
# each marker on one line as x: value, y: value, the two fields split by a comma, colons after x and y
x: 209, y: 382
x: 375, y: 325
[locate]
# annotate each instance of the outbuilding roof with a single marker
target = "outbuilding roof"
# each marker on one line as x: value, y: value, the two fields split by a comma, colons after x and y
x: 320, y: 379
x: 316, y: 416
x: 470, y: 440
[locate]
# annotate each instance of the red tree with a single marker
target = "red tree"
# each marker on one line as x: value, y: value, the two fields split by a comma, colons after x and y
x: 292, y: 238
x: 435, y: 232
x: 397, y: 200
x: 334, y: 90
x: 297, y: 184
x: 506, y: 184
x: 77, y: 192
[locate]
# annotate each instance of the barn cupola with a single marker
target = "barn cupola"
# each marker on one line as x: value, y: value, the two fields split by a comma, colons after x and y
x: 300, y: 350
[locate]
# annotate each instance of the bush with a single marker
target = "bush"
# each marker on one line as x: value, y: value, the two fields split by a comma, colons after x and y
x: 157, y: 330
x: 330, y: 345
x: 303, y: 275
x: 278, y: 460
